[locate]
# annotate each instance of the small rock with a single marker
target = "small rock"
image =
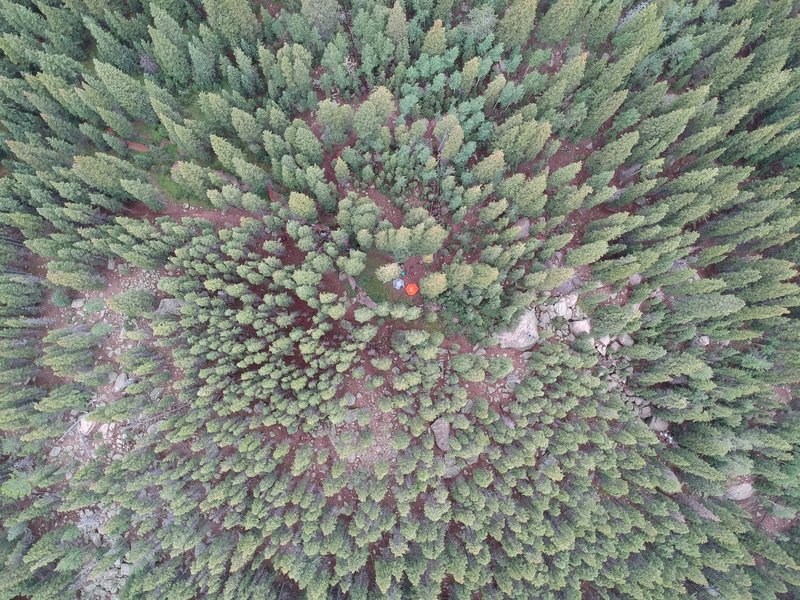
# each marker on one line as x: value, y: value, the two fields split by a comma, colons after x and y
x: 625, y: 340
x: 525, y: 335
x: 155, y: 393
x: 741, y: 491
x: 55, y: 451
x: 579, y: 327
x: 615, y: 346
x: 703, y: 340
x: 85, y: 426
x: 349, y: 399
x: 605, y: 340
x: 169, y: 306
x: 645, y: 411
x: 441, y: 433
x: 78, y: 303
x: 635, y: 279
x: 657, y: 424
x: 95, y: 538
x: 560, y: 308
x: 121, y: 382
x: 450, y: 467
x: 185, y: 206
x: 524, y: 225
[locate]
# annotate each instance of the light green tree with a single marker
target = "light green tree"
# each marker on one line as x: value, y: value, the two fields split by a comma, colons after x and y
x: 302, y: 206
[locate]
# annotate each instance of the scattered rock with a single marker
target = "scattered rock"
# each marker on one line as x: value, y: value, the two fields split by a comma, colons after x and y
x: 561, y: 309
x: 121, y: 382
x: 78, y: 303
x: 85, y: 426
x: 605, y: 340
x: 625, y: 340
x: 450, y: 467
x: 579, y: 327
x: 615, y: 346
x: 441, y: 433
x: 740, y: 491
x: 169, y: 306
x: 524, y: 336
x: 524, y: 225
x: 657, y: 424
x: 645, y: 412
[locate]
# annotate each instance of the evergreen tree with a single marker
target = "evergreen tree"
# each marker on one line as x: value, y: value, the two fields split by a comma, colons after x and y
x: 234, y: 19
x: 517, y: 23
x: 435, y: 41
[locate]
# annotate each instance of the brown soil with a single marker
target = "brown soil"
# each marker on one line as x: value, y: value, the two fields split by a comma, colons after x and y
x: 389, y: 211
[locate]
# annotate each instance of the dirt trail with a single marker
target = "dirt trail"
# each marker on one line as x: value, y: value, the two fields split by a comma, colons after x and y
x: 222, y: 217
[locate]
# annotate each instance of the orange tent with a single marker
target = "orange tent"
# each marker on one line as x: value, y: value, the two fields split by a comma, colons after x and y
x: 412, y: 289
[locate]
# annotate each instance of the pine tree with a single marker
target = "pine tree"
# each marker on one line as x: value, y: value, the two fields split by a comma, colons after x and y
x: 433, y: 285
x: 612, y: 155
x: 234, y: 19
x: 490, y: 168
x: 397, y: 31
x: 322, y: 15
x: 559, y: 20
x: 128, y: 92
x: 469, y: 74
x: 517, y: 23
x: 303, y: 206
x: 450, y: 135
x: 435, y: 42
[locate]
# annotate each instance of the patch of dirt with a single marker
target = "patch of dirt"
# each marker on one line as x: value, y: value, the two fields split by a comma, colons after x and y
x: 381, y: 425
x: 389, y: 211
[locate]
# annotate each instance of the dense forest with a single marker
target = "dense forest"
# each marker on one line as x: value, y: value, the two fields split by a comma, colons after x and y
x: 399, y: 299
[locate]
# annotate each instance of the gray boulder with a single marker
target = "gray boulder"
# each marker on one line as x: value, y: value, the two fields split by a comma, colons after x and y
x: 170, y: 306
x: 441, y: 433
x: 740, y: 491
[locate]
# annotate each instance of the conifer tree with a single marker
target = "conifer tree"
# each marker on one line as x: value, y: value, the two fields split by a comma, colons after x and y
x: 234, y: 19
x: 435, y: 41
x: 517, y: 23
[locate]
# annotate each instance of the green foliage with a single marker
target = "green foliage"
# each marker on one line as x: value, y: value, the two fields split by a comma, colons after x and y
x: 598, y: 203
x: 133, y: 303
